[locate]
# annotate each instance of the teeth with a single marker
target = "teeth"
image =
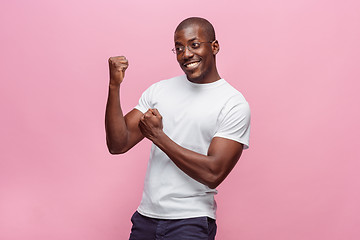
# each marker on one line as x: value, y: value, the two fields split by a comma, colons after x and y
x: 191, y: 64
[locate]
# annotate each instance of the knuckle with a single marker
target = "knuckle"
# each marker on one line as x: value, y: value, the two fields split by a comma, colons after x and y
x: 118, y: 59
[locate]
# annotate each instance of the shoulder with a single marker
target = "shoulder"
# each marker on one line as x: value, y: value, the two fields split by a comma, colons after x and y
x: 174, y: 81
x: 163, y: 88
x: 234, y: 96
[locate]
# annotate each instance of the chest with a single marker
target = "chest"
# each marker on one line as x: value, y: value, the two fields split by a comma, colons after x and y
x: 194, y: 114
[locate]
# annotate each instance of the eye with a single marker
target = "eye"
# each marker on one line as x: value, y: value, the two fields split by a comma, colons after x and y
x: 179, y: 48
x: 195, y: 45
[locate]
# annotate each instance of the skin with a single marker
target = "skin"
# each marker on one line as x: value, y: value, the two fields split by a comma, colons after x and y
x: 124, y: 132
x: 206, y: 72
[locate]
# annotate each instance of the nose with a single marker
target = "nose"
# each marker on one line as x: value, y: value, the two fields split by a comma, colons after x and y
x: 187, y: 52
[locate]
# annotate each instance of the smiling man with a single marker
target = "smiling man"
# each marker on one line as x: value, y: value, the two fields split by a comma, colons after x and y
x: 199, y: 125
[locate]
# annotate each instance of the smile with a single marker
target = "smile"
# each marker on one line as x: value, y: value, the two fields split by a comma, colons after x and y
x: 192, y: 64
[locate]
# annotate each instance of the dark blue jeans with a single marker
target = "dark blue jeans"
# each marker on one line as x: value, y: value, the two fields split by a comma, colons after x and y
x: 145, y: 228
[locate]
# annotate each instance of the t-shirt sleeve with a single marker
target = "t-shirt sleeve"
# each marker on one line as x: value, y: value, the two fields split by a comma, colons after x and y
x: 235, y: 122
x: 145, y: 101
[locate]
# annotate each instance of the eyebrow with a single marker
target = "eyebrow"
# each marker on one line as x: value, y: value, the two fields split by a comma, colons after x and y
x: 190, y: 40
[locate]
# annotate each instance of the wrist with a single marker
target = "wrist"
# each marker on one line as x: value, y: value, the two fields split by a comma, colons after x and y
x: 114, y: 86
x: 159, y: 137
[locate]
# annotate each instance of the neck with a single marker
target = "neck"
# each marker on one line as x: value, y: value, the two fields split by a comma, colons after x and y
x: 212, y: 76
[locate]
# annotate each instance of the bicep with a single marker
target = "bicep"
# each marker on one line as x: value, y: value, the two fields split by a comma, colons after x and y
x: 132, y: 119
x: 224, y: 153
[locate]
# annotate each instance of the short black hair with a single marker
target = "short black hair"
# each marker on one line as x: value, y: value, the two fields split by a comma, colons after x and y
x: 202, y: 22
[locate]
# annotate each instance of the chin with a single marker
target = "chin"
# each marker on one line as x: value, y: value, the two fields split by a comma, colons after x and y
x: 194, y: 78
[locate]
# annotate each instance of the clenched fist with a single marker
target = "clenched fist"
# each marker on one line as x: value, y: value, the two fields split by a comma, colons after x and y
x: 117, y: 67
x: 151, y: 124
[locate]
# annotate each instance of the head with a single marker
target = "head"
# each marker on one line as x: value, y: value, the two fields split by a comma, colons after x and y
x: 197, y: 47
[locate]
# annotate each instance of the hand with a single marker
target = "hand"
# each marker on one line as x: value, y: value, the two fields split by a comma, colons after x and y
x: 117, y: 67
x: 150, y: 124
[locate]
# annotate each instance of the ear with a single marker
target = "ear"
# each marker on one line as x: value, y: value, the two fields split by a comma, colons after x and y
x: 215, y: 47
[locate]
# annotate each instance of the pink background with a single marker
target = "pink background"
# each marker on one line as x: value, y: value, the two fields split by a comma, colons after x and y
x: 296, y: 62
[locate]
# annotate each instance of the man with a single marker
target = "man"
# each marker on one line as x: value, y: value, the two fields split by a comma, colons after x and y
x: 198, y: 124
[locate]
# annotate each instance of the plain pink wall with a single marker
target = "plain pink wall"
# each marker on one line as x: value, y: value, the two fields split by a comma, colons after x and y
x: 296, y: 62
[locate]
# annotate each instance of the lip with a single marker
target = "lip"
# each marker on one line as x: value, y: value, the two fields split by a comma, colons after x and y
x: 191, y: 64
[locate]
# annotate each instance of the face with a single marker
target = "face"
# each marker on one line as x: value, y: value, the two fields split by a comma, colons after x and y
x: 198, y: 63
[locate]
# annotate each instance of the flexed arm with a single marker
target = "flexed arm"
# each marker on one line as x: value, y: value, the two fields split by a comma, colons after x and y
x: 122, y: 132
x: 210, y: 169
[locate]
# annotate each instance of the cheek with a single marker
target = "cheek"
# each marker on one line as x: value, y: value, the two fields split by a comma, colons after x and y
x: 178, y: 59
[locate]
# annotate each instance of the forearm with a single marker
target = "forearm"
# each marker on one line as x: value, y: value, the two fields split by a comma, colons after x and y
x: 210, y: 169
x: 115, y: 125
x: 202, y: 168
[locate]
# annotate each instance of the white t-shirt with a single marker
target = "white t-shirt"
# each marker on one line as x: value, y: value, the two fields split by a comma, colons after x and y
x: 192, y: 115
